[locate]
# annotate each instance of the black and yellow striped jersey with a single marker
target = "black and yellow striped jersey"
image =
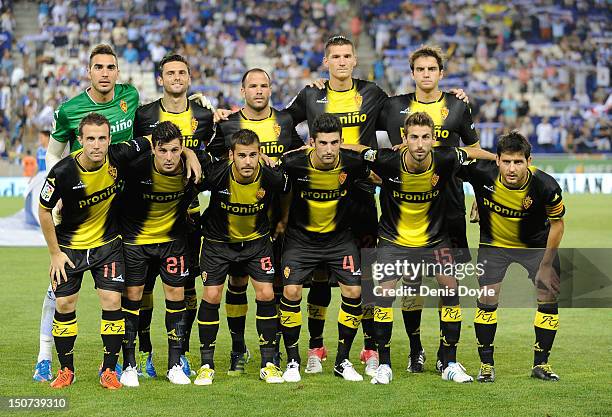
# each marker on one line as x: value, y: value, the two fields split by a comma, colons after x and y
x: 196, y: 123
x: 89, y: 217
x: 452, y: 119
x: 238, y: 212
x: 357, y: 108
x: 153, y: 206
x: 320, y: 200
x: 514, y: 218
x: 276, y: 133
x: 412, y: 204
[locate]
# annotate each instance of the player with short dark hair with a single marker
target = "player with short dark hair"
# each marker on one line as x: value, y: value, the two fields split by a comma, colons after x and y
x: 236, y: 232
x: 319, y: 234
x: 452, y: 125
x: 521, y: 221
x: 195, y: 120
x: 118, y: 103
x: 277, y: 135
x: 154, y: 227
x: 412, y: 228
x: 87, y: 181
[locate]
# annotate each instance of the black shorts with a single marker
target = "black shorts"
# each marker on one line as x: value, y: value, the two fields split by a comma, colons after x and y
x: 337, y: 251
x: 435, y: 260
x: 364, y: 218
x: 254, y: 258
x: 144, y: 262
x: 105, y: 263
x: 194, y: 246
x: 494, y: 263
x: 458, y: 238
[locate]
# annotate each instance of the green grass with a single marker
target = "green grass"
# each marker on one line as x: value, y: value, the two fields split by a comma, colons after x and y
x: 581, y: 356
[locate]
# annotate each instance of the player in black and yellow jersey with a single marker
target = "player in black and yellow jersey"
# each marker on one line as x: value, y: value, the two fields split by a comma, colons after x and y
x: 277, y: 135
x: 453, y: 125
x: 521, y: 209
x: 153, y: 220
x: 236, y: 233
x: 319, y: 234
x: 87, y: 181
x: 412, y: 228
x: 196, y: 124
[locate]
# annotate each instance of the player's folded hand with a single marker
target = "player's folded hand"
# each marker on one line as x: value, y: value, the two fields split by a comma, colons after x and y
x: 203, y: 100
x: 318, y: 83
x: 57, y: 269
x: 460, y: 94
x: 547, y: 280
x: 398, y: 147
x: 56, y: 213
x: 192, y: 165
x: 474, y: 215
x: 281, y: 226
x: 267, y: 160
x: 375, y: 179
x: 221, y: 114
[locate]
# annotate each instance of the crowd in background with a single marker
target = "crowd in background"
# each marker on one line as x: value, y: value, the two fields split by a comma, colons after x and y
x: 540, y: 66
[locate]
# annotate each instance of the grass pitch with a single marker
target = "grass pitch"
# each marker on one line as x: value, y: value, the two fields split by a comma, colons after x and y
x: 581, y: 355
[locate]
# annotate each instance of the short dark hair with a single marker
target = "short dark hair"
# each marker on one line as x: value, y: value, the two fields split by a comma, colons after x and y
x: 165, y: 132
x: 102, y: 49
x: 243, y: 137
x: 93, y: 119
x: 338, y: 40
x: 326, y: 123
x: 425, y: 51
x: 419, y: 119
x: 254, y: 70
x: 173, y: 58
x: 513, y: 142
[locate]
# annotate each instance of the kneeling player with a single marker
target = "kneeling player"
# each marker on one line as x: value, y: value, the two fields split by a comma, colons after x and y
x: 153, y: 226
x: 318, y: 233
x: 521, y: 221
x: 236, y: 233
x: 87, y: 182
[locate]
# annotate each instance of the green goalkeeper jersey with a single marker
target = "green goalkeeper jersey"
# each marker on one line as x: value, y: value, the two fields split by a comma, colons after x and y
x: 119, y: 111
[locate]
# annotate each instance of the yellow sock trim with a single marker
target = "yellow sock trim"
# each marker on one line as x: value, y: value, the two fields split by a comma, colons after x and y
x: 349, y: 320
x: 316, y: 312
x: 64, y: 329
x: 412, y: 303
x: 546, y: 321
x: 368, y: 312
x: 485, y: 317
x: 133, y: 312
x: 168, y: 310
x: 290, y: 318
x: 383, y: 314
x: 451, y: 313
x: 208, y: 323
x: 147, y: 301
x: 236, y: 310
x: 112, y: 326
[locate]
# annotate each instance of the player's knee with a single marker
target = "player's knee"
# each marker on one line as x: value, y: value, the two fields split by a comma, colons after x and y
x: 174, y: 293
x: 65, y: 304
x: 110, y: 300
x: 213, y: 294
x: 292, y: 292
x: 264, y: 293
x: 352, y: 291
x: 134, y: 293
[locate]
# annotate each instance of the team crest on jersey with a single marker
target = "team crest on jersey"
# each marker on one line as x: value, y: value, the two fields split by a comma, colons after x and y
x: 342, y: 177
x: 277, y: 129
x: 527, y: 202
x: 112, y: 171
x: 260, y: 194
x: 123, y: 106
x: 286, y: 272
x: 434, y: 179
x: 194, y: 124
x: 444, y: 112
x: 358, y: 99
x: 204, y: 276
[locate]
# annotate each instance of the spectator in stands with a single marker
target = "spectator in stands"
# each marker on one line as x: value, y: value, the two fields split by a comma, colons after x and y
x: 544, y: 134
x: 29, y: 164
x: 41, y: 151
x: 130, y: 54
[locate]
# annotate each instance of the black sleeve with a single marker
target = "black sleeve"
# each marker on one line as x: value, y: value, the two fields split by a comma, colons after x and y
x: 217, y: 146
x: 381, y: 120
x: 297, y: 107
x: 296, y: 140
x: 274, y: 179
x: 140, y: 123
x: 49, y: 194
x: 121, y: 154
x: 468, y: 133
x: 381, y: 161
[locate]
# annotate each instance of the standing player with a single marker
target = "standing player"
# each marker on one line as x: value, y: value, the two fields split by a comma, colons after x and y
x: 520, y: 209
x: 412, y: 229
x: 196, y: 124
x: 319, y: 234
x: 453, y: 123
x: 153, y: 220
x: 236, y: 233
x: 87, y: 182
x: 277, y: 135
x: 357, y: 104
x: 118, y: 103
